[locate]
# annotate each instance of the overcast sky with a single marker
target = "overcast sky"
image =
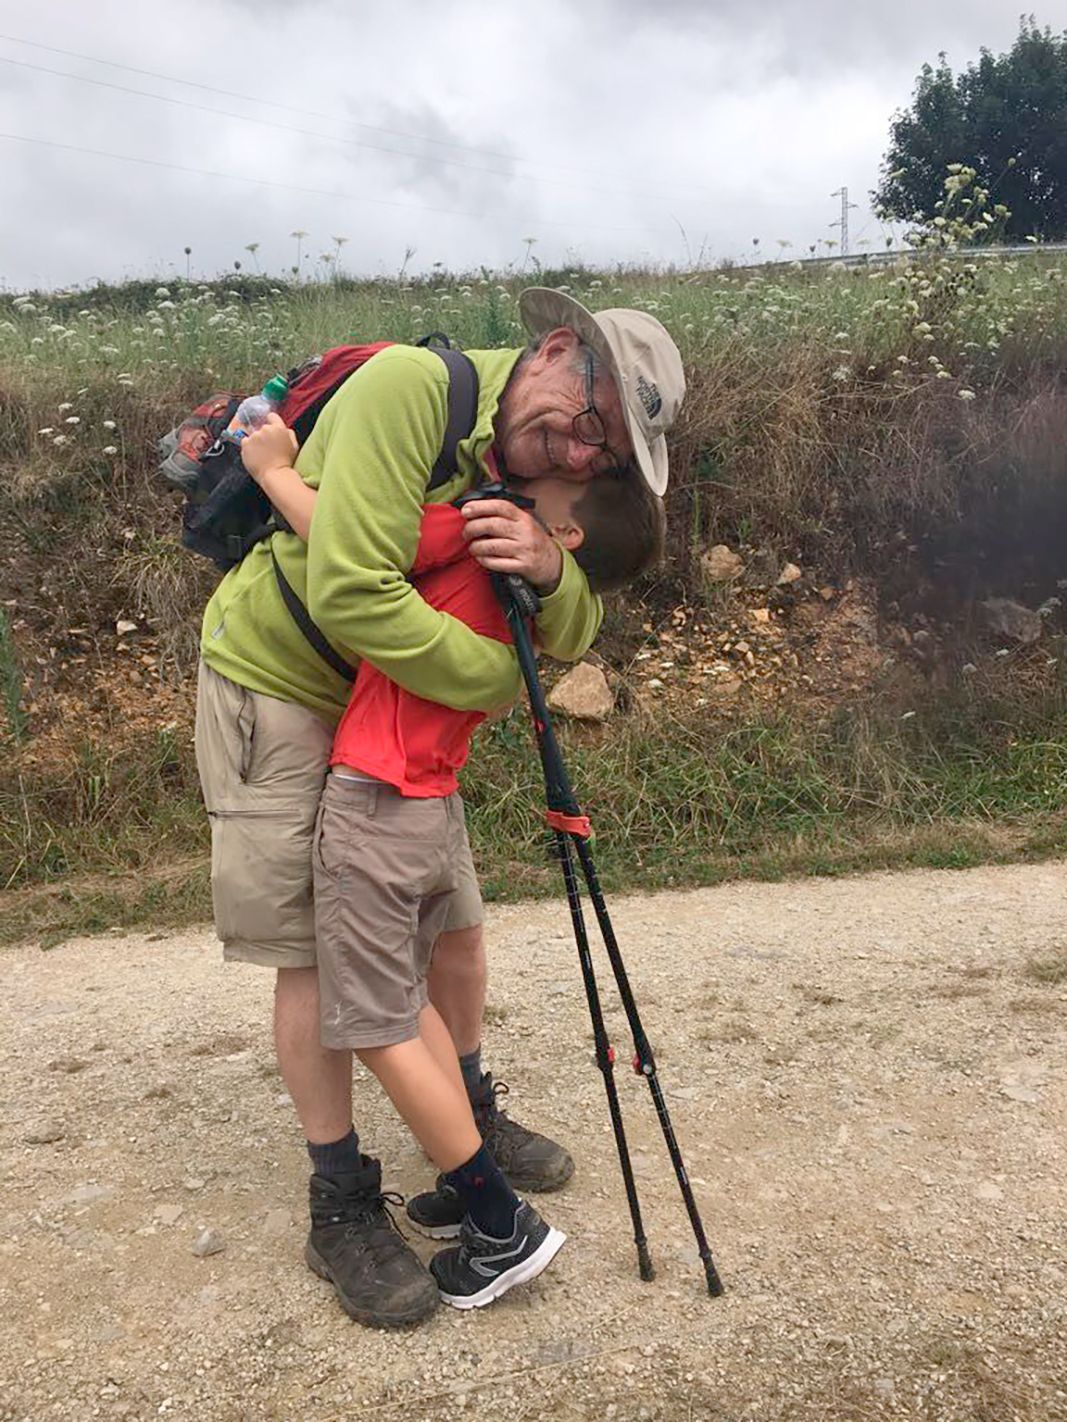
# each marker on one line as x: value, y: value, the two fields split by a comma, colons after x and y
x: 607, y: 130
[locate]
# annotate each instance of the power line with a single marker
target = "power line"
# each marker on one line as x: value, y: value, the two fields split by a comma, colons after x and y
x: 290, y: 128
x: 295, y: 188
x: 315, y: 113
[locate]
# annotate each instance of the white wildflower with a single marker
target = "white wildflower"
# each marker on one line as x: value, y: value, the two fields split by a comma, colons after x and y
x: 109, y: 424
x: 60, y: 439
x: 66, y: 405
x: 110, y: 449
x: 47, y: 430
x: 967, y: 395
x: 72, y: 419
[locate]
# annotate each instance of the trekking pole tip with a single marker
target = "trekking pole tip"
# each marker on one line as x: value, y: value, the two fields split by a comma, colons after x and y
x: 644, y: 1263
x: 715, y: 1285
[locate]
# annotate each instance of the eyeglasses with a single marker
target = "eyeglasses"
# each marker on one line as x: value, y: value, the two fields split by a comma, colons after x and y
x: 589, y: 428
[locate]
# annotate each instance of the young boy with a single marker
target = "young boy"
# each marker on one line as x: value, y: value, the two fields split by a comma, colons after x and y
x: 389, y: 838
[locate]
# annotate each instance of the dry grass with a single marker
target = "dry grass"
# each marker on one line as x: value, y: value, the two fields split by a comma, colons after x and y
x: 1050, y: 968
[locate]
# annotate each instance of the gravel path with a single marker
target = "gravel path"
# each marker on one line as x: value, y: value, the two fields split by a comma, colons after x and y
x: 866, y: 1082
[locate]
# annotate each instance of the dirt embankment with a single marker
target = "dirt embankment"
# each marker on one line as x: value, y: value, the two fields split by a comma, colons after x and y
x: 867, y: 1081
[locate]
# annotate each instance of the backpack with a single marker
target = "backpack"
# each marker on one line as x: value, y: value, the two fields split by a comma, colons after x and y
x: 225, y: 513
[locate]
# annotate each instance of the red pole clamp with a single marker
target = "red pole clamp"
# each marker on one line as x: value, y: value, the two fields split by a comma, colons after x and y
x: 577, y: 825
x: 637, y: 1065
x: 611, y: 1055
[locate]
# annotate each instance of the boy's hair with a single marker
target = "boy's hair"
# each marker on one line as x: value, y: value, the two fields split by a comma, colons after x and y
x: 624, y: 527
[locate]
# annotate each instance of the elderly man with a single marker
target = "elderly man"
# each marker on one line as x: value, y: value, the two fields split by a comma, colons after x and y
x: 591, y: 395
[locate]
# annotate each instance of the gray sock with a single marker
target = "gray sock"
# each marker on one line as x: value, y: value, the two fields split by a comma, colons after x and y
x: 471, y: 1067
x: 336, y: 1157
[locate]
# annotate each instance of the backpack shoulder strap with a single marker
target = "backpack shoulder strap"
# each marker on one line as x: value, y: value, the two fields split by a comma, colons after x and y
x: 300, y: 615
x: 462, y: 417
x: 462, y: 412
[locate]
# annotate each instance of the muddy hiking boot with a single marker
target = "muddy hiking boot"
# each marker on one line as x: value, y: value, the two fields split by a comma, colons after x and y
x: 437, y: 1212
x: 355, y: 1244
x: 530, y: 1161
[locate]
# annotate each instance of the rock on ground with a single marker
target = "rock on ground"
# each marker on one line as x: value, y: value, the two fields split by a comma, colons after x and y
x: 583, y: 693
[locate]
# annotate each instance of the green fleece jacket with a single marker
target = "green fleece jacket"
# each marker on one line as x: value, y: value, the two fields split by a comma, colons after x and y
x: 369, y: 456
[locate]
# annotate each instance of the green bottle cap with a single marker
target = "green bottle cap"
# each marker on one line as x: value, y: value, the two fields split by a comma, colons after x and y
x: 276, y: 389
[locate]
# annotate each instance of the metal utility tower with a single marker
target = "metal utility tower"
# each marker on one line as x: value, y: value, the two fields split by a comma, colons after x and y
x: 842, y: 221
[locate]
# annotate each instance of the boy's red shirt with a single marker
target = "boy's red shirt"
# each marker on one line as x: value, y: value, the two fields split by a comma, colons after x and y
x: 389, y: 733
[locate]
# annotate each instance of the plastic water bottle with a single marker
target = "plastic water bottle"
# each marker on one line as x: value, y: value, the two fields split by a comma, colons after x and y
x: 253, y: 411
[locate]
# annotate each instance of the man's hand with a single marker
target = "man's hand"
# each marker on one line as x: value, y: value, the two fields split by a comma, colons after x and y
x: 272, y: 446
x: 506, y: 539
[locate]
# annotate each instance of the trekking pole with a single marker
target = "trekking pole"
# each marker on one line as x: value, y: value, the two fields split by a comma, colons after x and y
x: 568, y: 824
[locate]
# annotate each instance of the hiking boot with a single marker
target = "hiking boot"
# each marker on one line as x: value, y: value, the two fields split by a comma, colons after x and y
x: 437, y: 1213
x: 530, y: 1161
x: 480, y: 1268
x: 355, y: 1244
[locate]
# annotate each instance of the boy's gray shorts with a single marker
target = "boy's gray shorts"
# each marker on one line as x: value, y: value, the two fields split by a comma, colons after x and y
x: 385, y: 873
x: 262, y: 766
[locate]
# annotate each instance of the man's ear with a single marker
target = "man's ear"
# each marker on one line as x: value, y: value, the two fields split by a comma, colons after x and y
x: 568, y: 534
x: 555, y: 344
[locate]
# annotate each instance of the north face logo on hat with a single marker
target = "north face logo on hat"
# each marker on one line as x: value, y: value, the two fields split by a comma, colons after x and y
x: 649, y: 396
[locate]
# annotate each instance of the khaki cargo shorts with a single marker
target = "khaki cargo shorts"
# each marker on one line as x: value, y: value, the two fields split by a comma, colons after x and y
x: 385, y: 873
x: 262, y: 766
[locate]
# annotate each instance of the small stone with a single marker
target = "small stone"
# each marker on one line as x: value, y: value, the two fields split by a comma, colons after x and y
x: 70, y: 1065
x: 88, y: 1194
x: 124, y: 626
x: 720, y: 564
x: 1012, y: 620
x: 790, y: 574
x: 45, y: 1132
x: 192, y: 1182
x: 208, y: 1242
x: 583, y: 693
x: 725, y: 688
x: 760, y: 614
x: 169, y: 1214
x: 988, y: 1190
x: 1025, y: 1094
x: 277, y: 1221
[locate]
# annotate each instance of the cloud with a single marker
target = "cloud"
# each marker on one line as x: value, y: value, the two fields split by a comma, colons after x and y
x: 615, y: 131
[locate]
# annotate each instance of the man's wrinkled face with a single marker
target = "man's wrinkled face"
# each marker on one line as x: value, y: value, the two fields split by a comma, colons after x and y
x: 536, y: 434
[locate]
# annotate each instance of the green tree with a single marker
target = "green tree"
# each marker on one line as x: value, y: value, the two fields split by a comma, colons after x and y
x: 1006, y: 117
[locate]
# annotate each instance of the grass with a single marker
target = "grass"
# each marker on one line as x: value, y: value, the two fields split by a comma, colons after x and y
x: 121, y: 837
x: 905, y: 425
x: 11, y: 683
x: 1050, y: 969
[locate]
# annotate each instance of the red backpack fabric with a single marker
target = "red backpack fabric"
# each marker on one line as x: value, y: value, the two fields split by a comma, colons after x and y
x: 225, y: 512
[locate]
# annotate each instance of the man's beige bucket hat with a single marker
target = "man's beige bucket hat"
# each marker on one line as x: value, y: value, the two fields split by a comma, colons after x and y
x: 643, y: 361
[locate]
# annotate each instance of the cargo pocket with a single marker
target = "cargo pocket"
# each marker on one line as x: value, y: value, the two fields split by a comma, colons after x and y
x: 261, y: 877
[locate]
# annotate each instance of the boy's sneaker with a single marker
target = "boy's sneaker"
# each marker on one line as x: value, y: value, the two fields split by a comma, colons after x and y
x: 436, y: 1213
x: 356, y: 1246
x: 479, y: 1269
x: 529, y: 1160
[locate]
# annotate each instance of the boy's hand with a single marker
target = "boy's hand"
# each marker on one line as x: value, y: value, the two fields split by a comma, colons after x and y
x: 272, y: 446
x: 507, y: 539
